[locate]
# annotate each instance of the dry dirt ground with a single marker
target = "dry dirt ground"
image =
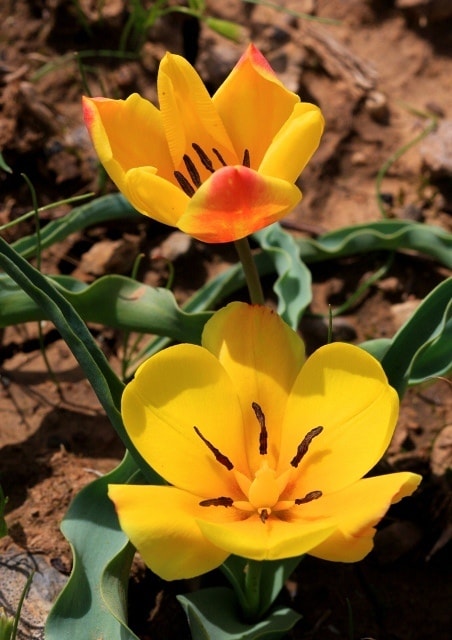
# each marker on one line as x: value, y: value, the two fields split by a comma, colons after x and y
x: 380, y: 75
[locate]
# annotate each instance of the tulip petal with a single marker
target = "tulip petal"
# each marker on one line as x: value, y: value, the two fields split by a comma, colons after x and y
x: 253, y: 104
x: 273, y: 540
x: 294, y: 144
x: 345, y: 390
x: 160, y: 523
x: 188, y: 113
x: 236, y: 201
x: 126, y: 134
x: 240, y: 338
x: 154, y: 196
x: 173, y: 392
x: 358, y: 509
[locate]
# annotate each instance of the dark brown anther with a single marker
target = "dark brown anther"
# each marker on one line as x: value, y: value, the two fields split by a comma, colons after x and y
x: 205, y: 160
x: 263, y: 435
x: 184, y: 184
x: 222, y: 501
x: 220, y: 157
x: 309, y: 497
x: 263, y: 516
x: 219, y: 457
x: 246, y: 159
x: 192, y: 170
x: 304, y: 446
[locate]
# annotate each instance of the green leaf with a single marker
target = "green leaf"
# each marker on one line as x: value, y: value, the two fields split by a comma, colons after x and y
x: 391, y: 235
x: 226, y: 28
x: 101, y: 210
x: 114, y: 301
x: 273, y: 575
x: 93, y: 604
x: 5, y: 167
x: 215, y: 614
x: 422, y: 348
x: 293, y: 286
x: 377, y: 348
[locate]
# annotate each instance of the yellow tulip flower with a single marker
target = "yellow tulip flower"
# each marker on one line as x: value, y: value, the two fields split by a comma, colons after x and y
x: 264, y: 451
x: 218, y: 168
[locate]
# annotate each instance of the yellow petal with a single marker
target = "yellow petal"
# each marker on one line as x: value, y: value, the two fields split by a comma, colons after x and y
x: 127, y: 134
x: 345, y: 390
x: 236, y: 201
x: 174, y: 391
x: 160, y: 523
x: 295, y: 143
x: 154, y: 196
x: 273, y: 540
x: 262, y: 356
x: 358, y: 509
x: 253, y: 104
x: 188, y: 113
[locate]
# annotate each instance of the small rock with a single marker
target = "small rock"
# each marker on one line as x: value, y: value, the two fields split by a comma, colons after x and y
x: 174, y: 246
x: 15, y: 567
x: 436, y: 151
x: 376, y: 105
x: 109, y: 256
x: 359, y: 159
x: 441, y: 456
x: 389, y: 285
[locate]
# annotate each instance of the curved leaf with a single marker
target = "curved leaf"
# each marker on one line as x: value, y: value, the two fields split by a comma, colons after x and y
x: 114, y: 301
x: 392, y: 235
x: 293, y: 286
x: 422, y: 347
x: 103, y: 209
x: 214, y: 614
x: 93, y: 604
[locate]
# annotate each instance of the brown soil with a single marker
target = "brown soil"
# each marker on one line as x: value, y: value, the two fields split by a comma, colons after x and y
x: 372, y: 75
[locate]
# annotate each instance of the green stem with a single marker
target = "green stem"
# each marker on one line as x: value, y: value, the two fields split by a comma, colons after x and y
x: 250, y: 271
x: 253, y: 589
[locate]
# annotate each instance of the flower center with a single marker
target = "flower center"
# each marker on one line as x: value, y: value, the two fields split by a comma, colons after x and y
x: 262, y: 494
x: 193, y: 181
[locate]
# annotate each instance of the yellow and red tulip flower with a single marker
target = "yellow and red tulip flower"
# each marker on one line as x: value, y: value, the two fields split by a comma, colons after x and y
x: 264, y: 450
x: 218, y: 168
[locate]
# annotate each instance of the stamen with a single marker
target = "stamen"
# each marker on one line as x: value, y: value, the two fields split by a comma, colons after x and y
x: 184, y: 184
x: 246, y: 158
x: 309, y: 497
x: 219, y: 457
x: 304, y: 446
x: 263, y: 515
x: 192, y: 170
x: 222, y: 501
x: 263, y: 436
x: 220, y: 157
x: 206, y: 162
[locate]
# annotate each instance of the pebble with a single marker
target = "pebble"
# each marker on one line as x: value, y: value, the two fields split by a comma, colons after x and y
x: 15, y: 567
x: 436, y: 151
x: 377, y: 107
x: 441, y: 455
